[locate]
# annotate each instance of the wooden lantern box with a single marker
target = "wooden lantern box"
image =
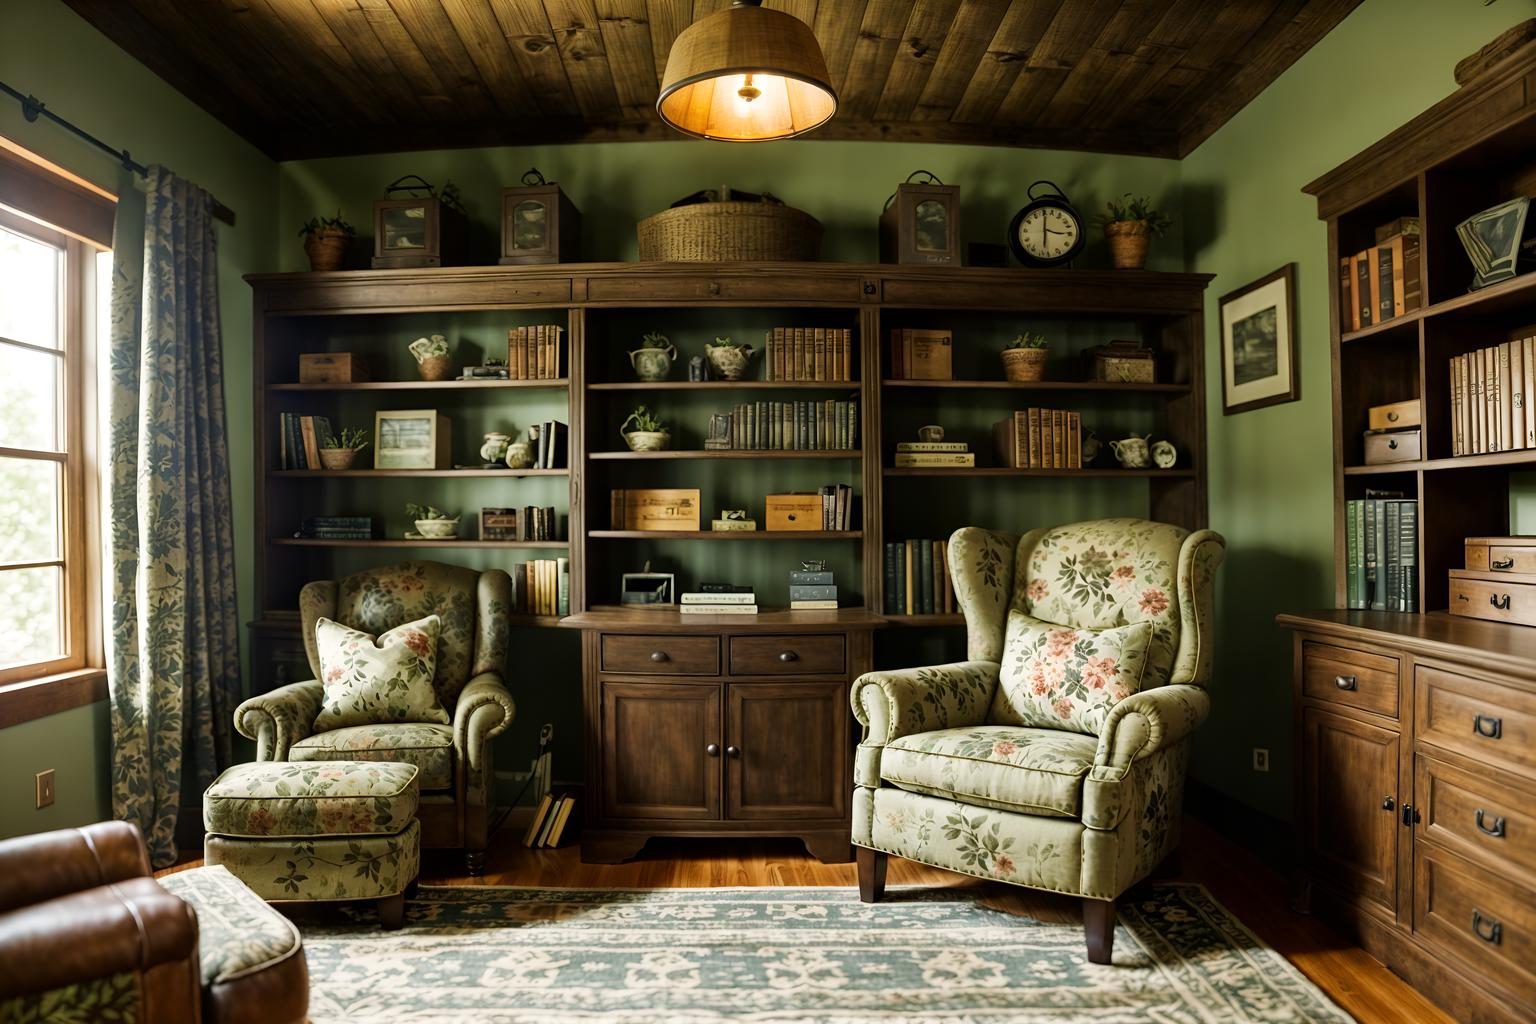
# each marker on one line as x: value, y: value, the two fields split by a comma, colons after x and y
x: 922, y: 225
x: 539, y: 224
x: 332, y: 368
x: 416, y: 233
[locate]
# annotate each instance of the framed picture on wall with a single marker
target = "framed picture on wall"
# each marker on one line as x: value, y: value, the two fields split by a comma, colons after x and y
x: 1258, y: 343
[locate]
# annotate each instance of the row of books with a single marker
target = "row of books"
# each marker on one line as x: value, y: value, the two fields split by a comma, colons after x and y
x: 549, y: 821
x: 1491, y: 392
x: 1039, y: 439
x: 718, y: 599
x: 920, y: 354
x: 337, y: 528
x: 785, y: 426
x: 836, y: 506
x: 1381, y: 552
x: 300, y: 439
x: 935, y: 453
x: 533, y: 353
x: 1381, y: 282
x: 917, y: 578
x: 810, y: 353
x: 529, y: 523
x: 542, y: 586
x: 550, y: 444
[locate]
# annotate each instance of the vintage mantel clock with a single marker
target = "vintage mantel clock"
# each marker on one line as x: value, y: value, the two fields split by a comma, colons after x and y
x: 423, y: 228
x: 539, y: 223
x: 1496, y: 242
x: 1049, y: 231
x: 921, y: 223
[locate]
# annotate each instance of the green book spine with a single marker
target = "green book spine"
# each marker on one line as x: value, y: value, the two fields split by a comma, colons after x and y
x: 899, y: 549
x: 1408, y: 556
x: 1354, y: 561
x: 1373, y: 573
x: 1394, y: 556
x: 922, y: 564
x: 564, y: 584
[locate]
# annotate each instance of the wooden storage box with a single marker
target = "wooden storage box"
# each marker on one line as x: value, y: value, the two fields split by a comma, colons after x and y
x: 332, y: 368
x: 1501, y: 554
x: 1393, y: 446
x: 1397, y: 416
x: 1122, y: 362
x: 659, y: 509
x: 793, y: 512
x: 922, y: 225
x: 1500, y: 596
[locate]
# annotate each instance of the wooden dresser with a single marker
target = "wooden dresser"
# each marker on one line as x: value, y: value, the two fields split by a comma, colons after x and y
x: 1416, y: 798
x: 728, y: 725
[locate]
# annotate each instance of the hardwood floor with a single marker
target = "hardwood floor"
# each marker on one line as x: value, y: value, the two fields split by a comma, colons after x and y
x: 1253, y: 891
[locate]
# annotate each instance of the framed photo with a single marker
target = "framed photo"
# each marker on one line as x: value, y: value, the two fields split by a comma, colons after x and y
x: 498, y: 524
x: 411, y: 439
x: 1258, y: 343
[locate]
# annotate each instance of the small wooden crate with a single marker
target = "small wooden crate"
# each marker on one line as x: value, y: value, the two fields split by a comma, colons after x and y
x: 1122, y: 362
x: 332, y: 368
x: 1382, y: 447
x: 1501, y: 554
x: 793, y: 512
x: 1397, y: 416
x: 658, y: 509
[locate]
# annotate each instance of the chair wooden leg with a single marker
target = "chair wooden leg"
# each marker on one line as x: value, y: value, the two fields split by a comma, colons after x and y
x: 1099, y: 927
x: 871, y: 873
x: 474, y: 863
x: 410, y: 890
x: 392, y: 912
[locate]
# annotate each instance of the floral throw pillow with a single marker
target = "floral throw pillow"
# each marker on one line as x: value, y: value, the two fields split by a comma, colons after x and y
x: 1057, y: 677
x: 369, y: 682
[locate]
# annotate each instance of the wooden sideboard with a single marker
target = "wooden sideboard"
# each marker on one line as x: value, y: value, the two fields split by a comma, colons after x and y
x: 1416, y: 798
x: 719, y: 725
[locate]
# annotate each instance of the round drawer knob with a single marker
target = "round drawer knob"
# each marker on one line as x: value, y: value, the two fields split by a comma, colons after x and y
x: 788, y: 656
x: 713, y: 750
x: 733, y: 751
x: 658, y: 656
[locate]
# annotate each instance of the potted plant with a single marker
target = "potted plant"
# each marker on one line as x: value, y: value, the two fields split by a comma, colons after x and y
x: 653, y: 359
x: 340, y: 450
x: 1129, y: 225
x: 326, y: 240
x: 432, y: 523
x: 1024, y: 357
x: 728, y: 359
x: 432, y: 357
x: 650, y: 433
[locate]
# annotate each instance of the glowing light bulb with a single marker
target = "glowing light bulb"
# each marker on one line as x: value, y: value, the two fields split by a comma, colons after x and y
x: 745, y: 94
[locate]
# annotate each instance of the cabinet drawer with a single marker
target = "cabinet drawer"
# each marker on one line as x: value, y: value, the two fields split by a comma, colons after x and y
x: 1343, y: 675
x: 1480, y: 815
x: 788, y: 655
x: 1393, y: 446
x: 1395, y: 416
x: 1476, y: 596
x: 1478, y: 914
x: 1489, y: 723
x: 661, y: 655
x: 641, y: 287
x: 1501, y: 554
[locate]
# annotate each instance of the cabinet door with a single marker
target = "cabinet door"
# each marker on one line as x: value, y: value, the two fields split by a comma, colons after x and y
x: 660, y: 750
x: 1352, y: 803
x: 786, y: 750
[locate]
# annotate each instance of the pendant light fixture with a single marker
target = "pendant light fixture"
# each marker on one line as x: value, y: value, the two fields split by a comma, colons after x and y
x: 746, y: 74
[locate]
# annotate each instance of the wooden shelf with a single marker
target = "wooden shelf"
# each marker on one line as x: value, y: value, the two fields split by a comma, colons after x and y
x: 1387, y: 467
x: 1169, y: 474
x: 727, y: 385
x: 726, y: 535
x: 923, y: 621
x: 311, y: 474
x: 1407, y: 324
x: 1496, y: 298
x: 322, y: 542
x: 1518, y: 457
x: 429, y: 385
x: 1040, y: 385
x: 839, y: 453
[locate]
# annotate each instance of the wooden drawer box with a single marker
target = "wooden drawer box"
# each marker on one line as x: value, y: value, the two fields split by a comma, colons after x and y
x: 1491, y: 724
x: 1483, y: 816
x: 1394, y: 446
x: 1501, y: 597
x: 661, y: 655
x: 1358, y: 679
x: 1397, y: 416
x: 787, y: 655
x: 1501, y: 554
x: 1478, y: 914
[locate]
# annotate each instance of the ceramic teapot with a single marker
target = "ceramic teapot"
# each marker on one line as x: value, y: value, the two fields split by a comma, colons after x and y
x: 728, y: 361
x: 1131, y: 451
x: 653, y: 362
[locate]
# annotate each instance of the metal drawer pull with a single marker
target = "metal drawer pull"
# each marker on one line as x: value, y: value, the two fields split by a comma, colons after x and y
x: 1503, y: 563
x: 1496, y: 832
x: 1501, y: 603
x: 1346, y: 682
x: 1392, y: 417
x: 1392, y: 445
x: 733, y: 751
x: 788, y: 656
x: 658, y: 656
x: 1387, y: 803
x: 1488, y: 726
x: 1494, y: 933
x: 713, y: 750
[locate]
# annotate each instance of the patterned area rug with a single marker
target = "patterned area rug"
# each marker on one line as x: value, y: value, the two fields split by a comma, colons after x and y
x: 793, y: 956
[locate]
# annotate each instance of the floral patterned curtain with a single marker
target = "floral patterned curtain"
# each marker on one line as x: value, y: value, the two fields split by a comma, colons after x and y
x: 175, y: 664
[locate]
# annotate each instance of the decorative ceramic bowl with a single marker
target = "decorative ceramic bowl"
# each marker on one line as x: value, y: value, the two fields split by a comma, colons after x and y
x: 729, y: 361
x: 648, y: 440
x: 438, y: 529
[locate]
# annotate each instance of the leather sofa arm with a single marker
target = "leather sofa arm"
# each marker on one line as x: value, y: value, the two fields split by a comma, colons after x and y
x: 130, y: 926
x: 278, y: 719
x: 1149, y: 721
x: 39, y: 867
x: 901, y: 702
x: 484, y: 711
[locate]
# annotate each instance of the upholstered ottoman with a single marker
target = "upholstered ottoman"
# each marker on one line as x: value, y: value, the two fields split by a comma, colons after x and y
x: 250, y: 956
x: 318, y: 830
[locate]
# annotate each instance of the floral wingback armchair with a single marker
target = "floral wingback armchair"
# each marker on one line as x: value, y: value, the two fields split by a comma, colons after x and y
x: 456, y: 776
x: 1054, y: 758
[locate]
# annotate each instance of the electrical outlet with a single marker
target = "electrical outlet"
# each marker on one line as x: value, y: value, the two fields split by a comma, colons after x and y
x: 44, y: 788
x: 1260, y: 759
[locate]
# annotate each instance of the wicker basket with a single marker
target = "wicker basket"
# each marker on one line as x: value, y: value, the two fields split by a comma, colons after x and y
x: 713, y: 232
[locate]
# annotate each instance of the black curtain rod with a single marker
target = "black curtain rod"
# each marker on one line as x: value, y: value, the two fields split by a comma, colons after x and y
x: 31, y: 107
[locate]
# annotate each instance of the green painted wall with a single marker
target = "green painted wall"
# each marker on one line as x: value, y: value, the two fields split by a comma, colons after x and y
x: 47, y: 50
x: 1271, y: 470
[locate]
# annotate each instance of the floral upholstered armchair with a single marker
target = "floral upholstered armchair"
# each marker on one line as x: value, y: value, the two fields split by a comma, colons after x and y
x: 456, y: 776
x: 1054, y: 758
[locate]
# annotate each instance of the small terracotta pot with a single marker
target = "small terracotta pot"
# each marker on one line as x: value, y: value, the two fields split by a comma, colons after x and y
x: 1024, y: 364
x: 1128, y: 240
x: 435, y: 368
x: 326, y: 249
x: 338, y: 458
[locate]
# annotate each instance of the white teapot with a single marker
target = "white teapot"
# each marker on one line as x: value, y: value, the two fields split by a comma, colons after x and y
x: 1132, y: 451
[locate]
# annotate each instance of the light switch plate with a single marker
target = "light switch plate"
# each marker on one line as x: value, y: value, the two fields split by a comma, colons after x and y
x: 44, y: 789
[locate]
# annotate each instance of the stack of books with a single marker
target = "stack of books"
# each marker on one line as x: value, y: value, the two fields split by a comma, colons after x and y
x: 300, y: 439
x: 542, y: 586
x: 337, y: 528
x: 719, y: 599
x: 1381, y: 552
x: 812, y: 590
x: 1491, y: 392
x: 489, y: 372
x: 934, y: 453
x: 786, y: 426
x: 549, y: 821
x: 917, y: 578
x: 533, y: 353
x: 1039, y: 439
x: 918, y: 354
x: 549, y: 444
x: 1381, y: 282
x: 810, y: 353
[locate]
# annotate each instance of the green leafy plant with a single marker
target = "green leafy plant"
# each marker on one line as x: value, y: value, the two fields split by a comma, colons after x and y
x: 1027, y: 340
x: 1135, y: 209
x: 420, y: 512
x: 645, y: 420
x: 494, y: 361
x: 316, y: 225
x: 353, y: 438
x: 724, y: 343
x: 655, y: 339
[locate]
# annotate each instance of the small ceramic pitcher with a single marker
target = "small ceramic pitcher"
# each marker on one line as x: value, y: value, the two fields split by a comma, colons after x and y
x: 653, y: 363
x: 1132, y: 451
x: 729, y: 361
x: 495, y: 447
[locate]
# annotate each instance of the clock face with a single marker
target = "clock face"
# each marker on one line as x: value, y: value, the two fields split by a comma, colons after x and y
x: 1048, y: 233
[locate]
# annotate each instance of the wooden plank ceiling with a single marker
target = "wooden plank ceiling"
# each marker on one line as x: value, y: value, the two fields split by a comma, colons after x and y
x: 307, y: 78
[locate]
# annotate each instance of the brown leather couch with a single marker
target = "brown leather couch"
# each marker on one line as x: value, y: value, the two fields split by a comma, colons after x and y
x: 85, y: 926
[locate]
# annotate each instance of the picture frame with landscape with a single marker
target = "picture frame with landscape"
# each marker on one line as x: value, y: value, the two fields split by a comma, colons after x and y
x: 1258, y: 343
